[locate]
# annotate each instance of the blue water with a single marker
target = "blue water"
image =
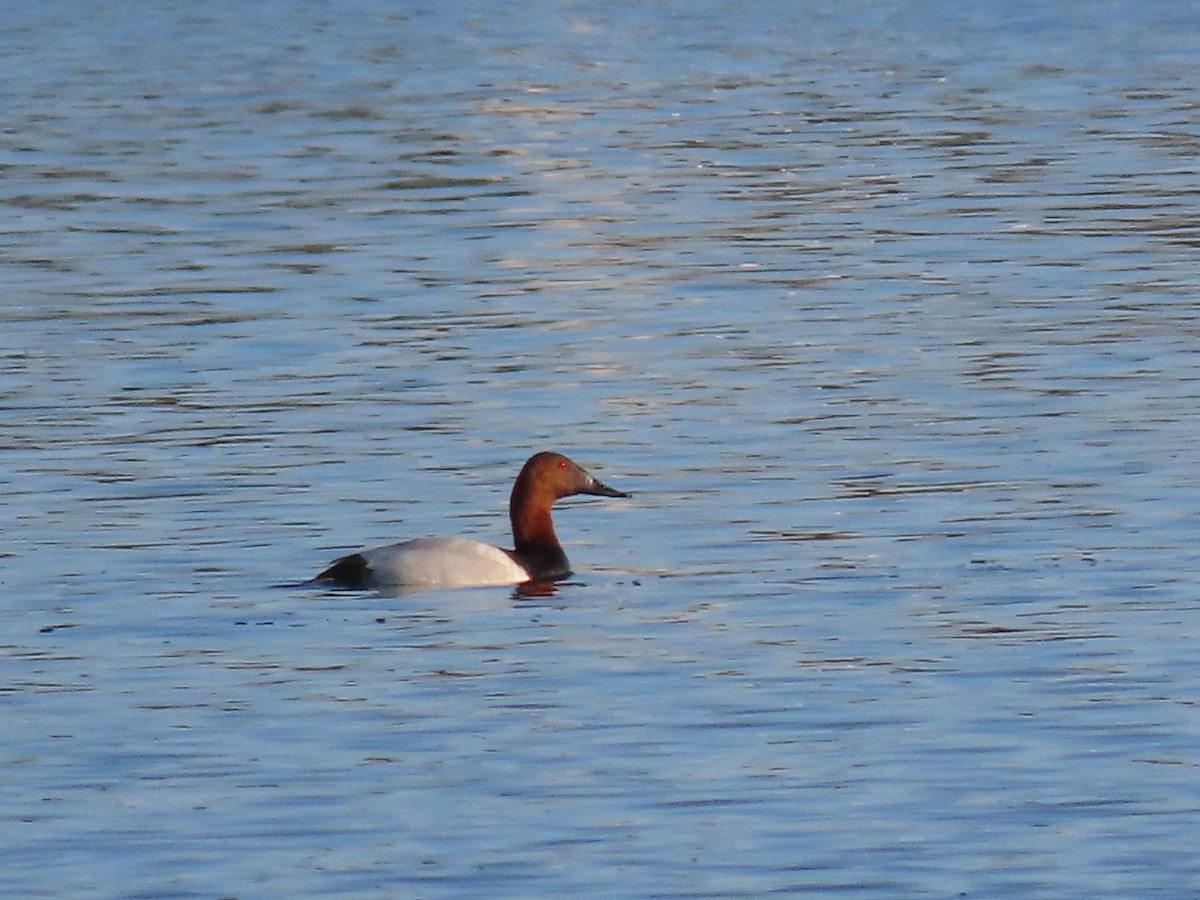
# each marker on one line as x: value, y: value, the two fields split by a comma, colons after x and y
x: 885, y: 314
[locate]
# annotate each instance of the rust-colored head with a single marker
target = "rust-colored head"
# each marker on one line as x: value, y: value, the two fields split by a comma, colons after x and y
x: 554, y: 475
x: 546, y: 477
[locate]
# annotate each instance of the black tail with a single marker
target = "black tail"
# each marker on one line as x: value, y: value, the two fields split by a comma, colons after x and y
x: 350, y: 571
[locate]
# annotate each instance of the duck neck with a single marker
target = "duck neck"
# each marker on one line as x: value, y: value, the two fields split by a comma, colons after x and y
x: 535, y: 544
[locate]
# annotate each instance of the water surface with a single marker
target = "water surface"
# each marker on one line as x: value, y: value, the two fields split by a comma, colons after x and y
x: 885, y: 315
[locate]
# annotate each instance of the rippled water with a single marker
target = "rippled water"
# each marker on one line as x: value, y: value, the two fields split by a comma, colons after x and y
x: 886, y: 314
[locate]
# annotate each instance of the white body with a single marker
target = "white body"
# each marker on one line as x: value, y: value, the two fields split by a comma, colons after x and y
x: 442, y: 562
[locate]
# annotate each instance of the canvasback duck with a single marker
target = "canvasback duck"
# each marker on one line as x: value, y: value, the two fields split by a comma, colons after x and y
x: 536, y: 556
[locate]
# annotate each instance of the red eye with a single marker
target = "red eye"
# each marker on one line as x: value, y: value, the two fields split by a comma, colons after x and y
x: 562, y: 463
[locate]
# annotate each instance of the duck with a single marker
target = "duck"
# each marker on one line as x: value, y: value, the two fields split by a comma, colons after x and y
x: 536, y: 558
